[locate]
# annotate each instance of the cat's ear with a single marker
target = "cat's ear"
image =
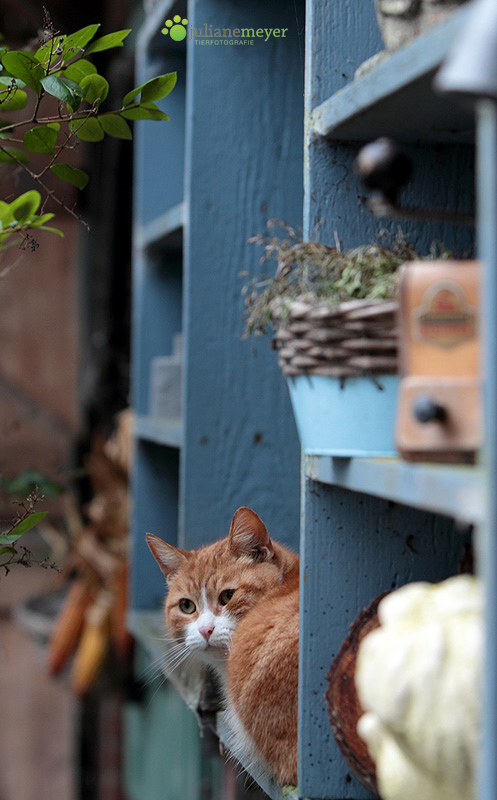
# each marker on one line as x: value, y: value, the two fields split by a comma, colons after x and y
x: 170, y: 559
x: 248, y: 536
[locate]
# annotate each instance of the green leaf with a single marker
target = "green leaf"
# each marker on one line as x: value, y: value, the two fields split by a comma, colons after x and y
x: 40, y: 140
x: 116, y: 126
x: 54, y: 125
x: 8, y: 153
x: 5, y: 538
x: 38, y: 222
x: 24, y: 206
x: 9, y: 80
x: 159, y: 87
x: 94, y: 87
x: 6, y: 215
x: 70, y: 174
x: 13, y: 100
x: 144, y: 112
x: 63, y: 89
x: 75, y: 42
x: 154, y: 89
x: 106, y: 42
x: 23, y: 527
x: 24, y: 66
x: 79, y: 70
x: 88, y: 130
x: 7, y: 550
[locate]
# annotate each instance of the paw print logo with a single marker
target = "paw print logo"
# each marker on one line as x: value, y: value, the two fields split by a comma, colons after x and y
x: 176, y: 28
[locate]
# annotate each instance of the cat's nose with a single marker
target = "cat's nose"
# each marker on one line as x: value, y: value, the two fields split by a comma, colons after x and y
x: 206, y: 631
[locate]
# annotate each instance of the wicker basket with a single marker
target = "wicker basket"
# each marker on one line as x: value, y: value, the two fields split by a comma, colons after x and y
x: 352, y: 339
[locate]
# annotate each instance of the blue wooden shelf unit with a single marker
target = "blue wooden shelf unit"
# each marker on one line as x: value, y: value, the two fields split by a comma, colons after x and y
x: 229, y: 159
x: 232, y: 156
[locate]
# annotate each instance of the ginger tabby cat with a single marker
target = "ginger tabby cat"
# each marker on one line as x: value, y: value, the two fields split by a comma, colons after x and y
x: 234, y: 605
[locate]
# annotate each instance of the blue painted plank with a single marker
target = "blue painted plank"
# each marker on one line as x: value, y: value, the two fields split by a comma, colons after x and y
x: 383, y: 99
x: 244, y: 166
x: 165, y: 230
x: 353, y: 548
x: 454, y: 490
x: 168, y: 432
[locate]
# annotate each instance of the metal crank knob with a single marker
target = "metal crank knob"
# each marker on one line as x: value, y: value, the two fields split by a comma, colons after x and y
x: 425, y: 409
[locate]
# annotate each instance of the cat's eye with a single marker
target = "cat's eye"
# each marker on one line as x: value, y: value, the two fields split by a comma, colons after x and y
x: 187, y: 606
x: 226, y: 596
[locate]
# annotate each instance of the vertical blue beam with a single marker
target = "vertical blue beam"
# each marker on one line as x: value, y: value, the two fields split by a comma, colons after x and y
x: 487, y: 246
x: 243, y: 167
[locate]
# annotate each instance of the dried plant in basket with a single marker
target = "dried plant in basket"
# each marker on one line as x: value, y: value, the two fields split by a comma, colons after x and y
x: 333, y: 312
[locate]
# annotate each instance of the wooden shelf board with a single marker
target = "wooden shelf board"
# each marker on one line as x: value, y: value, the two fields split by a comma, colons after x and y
x: 168, y: 432
x: 396, y: 97
x: 165, y: 230
x: 451, y: 490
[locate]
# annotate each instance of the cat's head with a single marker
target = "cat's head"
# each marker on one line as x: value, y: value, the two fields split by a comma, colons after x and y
x: 211, y: 589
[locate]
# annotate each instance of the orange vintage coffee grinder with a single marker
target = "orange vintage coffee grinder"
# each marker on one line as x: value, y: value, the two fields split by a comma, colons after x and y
x: 439, y: 415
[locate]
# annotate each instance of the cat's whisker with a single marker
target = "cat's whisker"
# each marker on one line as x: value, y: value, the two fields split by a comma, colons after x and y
x: 165, y: 669
x: 172, y: 664
x: 165, y: 663
x: 159, y: 686
x: 153, y: 670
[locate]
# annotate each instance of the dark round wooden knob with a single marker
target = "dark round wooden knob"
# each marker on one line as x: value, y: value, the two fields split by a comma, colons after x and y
x: 425, y: 409
x: 383, y: 167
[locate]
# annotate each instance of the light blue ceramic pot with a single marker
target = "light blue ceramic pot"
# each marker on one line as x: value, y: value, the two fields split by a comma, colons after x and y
x: 351, y: 417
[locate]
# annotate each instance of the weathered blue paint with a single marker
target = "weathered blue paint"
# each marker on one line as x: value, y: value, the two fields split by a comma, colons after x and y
x: 244, y: 166
x: 353, y: 548
x: 455, y: 491
x: 166, y: 230
x: 243, y: 158
x: 396, y: 96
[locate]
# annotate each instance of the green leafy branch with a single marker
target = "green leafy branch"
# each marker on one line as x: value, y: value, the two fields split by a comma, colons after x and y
x: 60, y: 69
x: 11, y: 550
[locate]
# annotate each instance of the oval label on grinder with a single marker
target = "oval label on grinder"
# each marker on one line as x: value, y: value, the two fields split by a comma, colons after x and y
x: 445, y: 318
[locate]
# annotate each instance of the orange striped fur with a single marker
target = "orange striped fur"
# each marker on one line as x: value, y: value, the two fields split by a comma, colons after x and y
x: 234, y: 605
